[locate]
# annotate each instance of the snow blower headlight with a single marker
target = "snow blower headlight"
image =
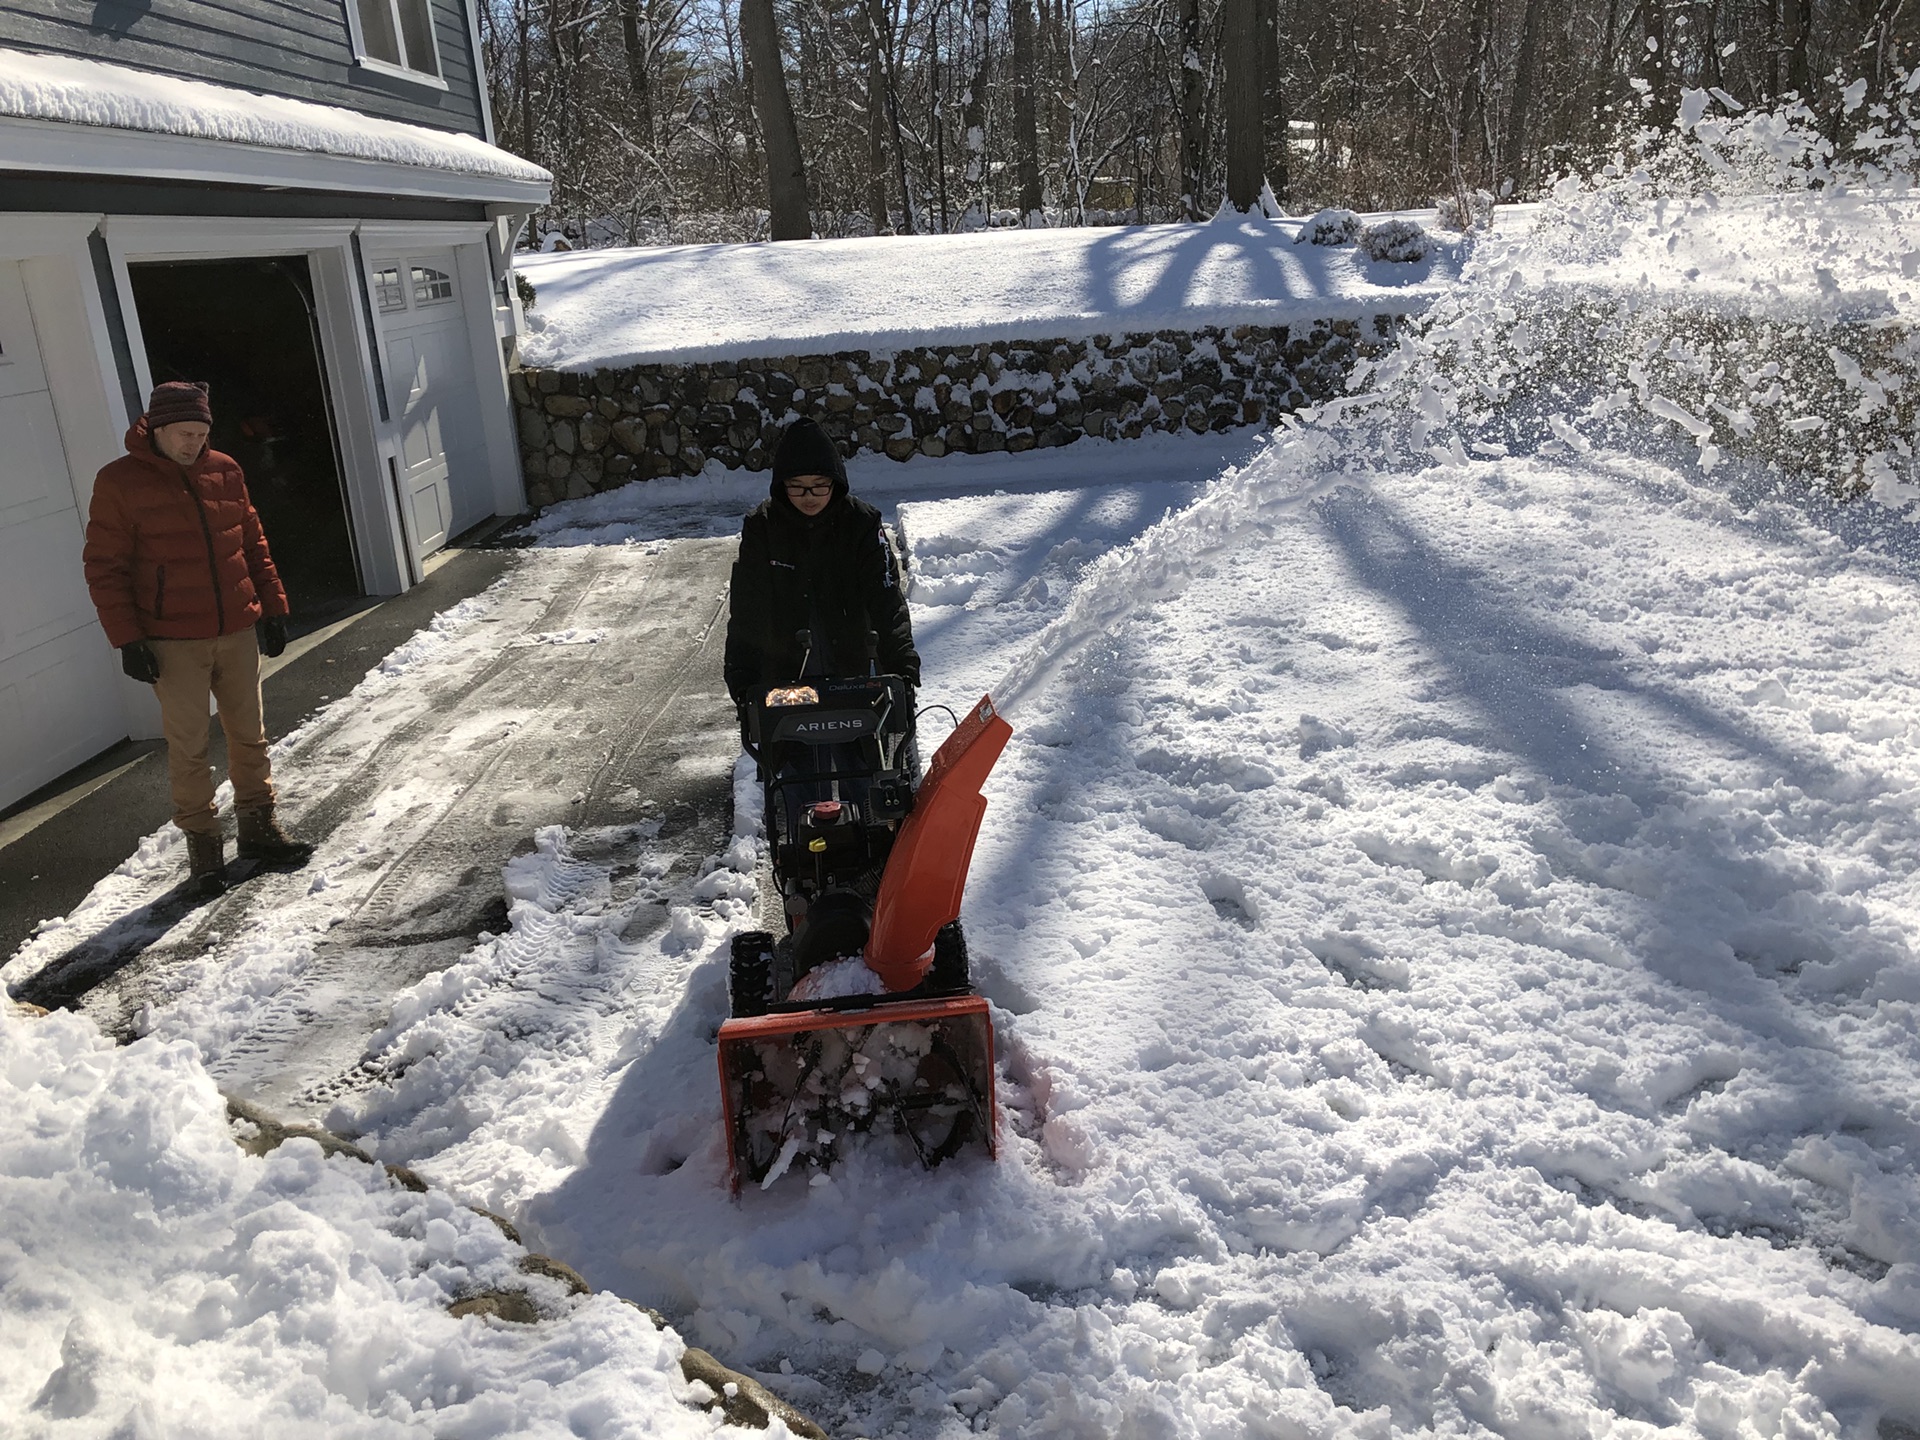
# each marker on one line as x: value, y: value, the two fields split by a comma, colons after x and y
x: 792, y: 695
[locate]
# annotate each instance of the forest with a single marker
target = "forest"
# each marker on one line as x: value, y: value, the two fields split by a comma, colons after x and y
x: 676, y: 121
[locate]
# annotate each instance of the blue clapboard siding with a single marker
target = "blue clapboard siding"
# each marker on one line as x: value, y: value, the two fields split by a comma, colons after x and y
x: 297, y: 48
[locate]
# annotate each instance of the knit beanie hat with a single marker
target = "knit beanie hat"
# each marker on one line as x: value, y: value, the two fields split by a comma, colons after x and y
x: 806, y: 449
x: 176, y: 400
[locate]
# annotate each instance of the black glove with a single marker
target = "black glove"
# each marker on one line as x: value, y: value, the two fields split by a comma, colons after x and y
x: 140, y: 663
x: 272, y: 633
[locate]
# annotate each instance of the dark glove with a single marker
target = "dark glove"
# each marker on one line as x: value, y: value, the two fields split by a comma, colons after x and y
x: 140, y: 663
x: 272, y: 633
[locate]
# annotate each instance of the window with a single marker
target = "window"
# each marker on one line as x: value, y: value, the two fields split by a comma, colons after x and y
x: 387, y: 290
x: 395, y: 36
x: 431, y: 286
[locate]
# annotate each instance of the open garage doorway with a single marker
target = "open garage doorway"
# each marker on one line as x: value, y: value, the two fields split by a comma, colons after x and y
x: 246, y: 328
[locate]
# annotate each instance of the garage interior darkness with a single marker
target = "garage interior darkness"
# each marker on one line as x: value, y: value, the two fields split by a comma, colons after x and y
x: 246, y: 328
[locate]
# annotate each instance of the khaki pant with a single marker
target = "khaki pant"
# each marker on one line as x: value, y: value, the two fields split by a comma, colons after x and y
x: 229, y: 670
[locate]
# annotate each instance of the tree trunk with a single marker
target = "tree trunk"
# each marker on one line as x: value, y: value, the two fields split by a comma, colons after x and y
x: 1799, y: 22
x: 786, y: 172
x: 973, y: 116
x: 1026, y: 132
x: 1657, y: 65
x: 1193, y: 94
x: 1473, y: 97
x: 1244, y: 108
x: 636, y: 37
x: 877, y: 205
x: 1273, y: 103
x: 1513, y: 166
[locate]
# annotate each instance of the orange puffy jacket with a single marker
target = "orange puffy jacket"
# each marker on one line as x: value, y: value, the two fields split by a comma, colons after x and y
x: 176, y: 552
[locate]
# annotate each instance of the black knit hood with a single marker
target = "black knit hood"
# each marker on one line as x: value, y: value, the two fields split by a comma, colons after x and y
x: 806, y: 449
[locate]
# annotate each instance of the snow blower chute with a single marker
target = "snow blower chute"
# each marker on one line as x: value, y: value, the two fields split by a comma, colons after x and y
x: 862, y: 1018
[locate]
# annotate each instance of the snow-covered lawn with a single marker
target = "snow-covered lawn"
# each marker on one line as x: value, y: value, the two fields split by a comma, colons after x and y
x: 1452, y: 904
x: 606, y: 308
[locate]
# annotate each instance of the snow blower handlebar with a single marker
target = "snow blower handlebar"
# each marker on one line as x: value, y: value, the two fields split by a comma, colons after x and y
x: 927, y: 870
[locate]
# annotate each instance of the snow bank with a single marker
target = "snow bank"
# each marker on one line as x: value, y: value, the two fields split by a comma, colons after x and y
x: 157, y: 1280
x: 89, y: 92
x: 605, y: 308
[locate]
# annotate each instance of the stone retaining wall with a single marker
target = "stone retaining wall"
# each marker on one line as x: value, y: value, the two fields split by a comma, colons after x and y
x: 582, y: 433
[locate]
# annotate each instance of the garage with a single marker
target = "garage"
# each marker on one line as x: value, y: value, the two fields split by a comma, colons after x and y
x: 60, y: 700
x: 246, y: 328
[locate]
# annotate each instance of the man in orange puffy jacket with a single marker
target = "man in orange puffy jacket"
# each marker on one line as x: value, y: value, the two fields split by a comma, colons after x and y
x: 179, y: 571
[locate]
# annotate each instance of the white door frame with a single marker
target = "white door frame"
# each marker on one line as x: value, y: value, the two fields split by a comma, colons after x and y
x: 327, y: 246
x: 348, y: 344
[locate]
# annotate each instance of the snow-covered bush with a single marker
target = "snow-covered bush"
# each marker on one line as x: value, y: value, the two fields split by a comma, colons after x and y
x: 1329, y: 227
x: 1464, y: 210
x: 1396, y: 241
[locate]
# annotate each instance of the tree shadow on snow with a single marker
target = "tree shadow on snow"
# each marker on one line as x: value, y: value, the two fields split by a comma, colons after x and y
x: 1519, y: 673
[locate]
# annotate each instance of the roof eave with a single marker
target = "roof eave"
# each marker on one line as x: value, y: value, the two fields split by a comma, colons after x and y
x: 56, y: 146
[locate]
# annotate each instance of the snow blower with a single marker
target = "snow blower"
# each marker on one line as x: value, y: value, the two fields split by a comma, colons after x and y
x: 862, y: 1017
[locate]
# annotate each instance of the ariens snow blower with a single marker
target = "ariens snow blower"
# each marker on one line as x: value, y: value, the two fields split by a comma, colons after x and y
x: 863, y: 1017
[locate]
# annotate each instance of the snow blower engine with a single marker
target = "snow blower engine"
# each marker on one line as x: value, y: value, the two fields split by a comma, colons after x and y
x: 861, y: 1018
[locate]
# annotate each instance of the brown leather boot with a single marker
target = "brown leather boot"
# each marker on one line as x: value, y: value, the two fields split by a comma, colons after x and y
x: 206, y: 862
x: 261, y: 838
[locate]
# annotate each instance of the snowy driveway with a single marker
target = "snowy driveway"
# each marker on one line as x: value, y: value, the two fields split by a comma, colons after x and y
x: 1455, y: 956
x: 582, y: 689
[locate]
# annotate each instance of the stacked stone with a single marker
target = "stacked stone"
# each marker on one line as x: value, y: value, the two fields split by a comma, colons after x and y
x: 583, y: 433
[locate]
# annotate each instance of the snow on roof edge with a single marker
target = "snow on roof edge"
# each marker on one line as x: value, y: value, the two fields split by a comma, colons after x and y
x: 69, y: 90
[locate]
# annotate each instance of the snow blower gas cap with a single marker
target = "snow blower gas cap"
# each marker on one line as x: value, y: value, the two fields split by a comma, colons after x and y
x: 826, y: 812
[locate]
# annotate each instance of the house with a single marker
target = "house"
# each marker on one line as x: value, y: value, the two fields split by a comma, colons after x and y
x: 296, y: 201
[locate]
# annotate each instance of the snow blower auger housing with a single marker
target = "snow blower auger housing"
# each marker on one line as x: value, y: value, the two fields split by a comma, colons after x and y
x: 862, y: 1017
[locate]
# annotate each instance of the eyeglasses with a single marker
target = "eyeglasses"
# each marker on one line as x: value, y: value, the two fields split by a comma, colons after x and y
x: 824, y: 488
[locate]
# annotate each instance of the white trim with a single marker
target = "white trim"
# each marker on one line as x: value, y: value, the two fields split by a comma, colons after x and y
x: 362, y: 57
x: 400, y: 72
x: 390, y: 238
x: 499, y: 428
x: 51, y: 145
x: 472, y: 8
x: 172, y: 237
x: 23, y: 236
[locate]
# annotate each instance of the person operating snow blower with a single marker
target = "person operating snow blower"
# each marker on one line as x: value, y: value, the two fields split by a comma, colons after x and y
x: 861, y: 1013
x: 815, y: 577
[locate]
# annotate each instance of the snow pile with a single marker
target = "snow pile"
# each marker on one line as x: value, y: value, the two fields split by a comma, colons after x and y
x: 160, y: 1281
x: 606, y: 308
x: 1739, y: 289
x: 70, y: 91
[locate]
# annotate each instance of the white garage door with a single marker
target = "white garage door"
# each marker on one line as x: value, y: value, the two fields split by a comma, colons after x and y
x: 432, y: 397
x: 59, y: 695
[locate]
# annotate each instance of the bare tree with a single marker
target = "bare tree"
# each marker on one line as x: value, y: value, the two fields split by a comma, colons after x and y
x: 1246, y: 121
x: 973, y: 118
x: 1026, y: 129
x: 786, y: 174
x: 1193, y: 80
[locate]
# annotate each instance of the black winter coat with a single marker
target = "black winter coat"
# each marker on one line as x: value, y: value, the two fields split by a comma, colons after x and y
x: 834, y: 573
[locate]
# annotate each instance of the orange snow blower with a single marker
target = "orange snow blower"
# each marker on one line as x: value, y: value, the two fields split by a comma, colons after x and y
x: 863, y: 1017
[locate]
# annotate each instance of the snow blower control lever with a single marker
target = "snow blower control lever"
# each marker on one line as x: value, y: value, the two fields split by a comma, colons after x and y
x: 863, y: 1015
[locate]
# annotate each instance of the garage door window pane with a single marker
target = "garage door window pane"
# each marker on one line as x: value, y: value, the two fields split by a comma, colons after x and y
x: 416, y: 24
x: 388, y: 292
x: 376, y: 31
x: 431, y: 287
